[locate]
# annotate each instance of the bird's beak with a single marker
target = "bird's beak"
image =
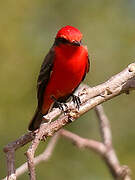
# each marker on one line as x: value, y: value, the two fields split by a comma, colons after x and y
x: 76, y: 43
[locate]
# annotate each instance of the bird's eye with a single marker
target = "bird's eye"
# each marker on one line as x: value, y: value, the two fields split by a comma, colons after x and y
x: 62, y: 40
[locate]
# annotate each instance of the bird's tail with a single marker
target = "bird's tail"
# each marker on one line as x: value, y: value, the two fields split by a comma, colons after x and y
x: 36, y: 121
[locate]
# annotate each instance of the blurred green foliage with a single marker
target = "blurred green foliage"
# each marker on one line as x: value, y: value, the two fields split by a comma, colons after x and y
x: 27, y: 31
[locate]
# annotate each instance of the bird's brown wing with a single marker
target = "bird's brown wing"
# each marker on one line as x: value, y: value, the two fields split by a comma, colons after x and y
x: 44, y: 76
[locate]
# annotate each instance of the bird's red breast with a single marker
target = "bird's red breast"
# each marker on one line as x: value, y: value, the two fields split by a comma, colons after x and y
x: 69, y: 67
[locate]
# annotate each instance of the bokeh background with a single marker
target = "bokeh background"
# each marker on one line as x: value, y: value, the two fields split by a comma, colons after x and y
x: 27, y: 31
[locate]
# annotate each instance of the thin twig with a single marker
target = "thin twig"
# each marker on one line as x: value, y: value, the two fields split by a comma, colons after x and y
x: 110, y: 157
x: 45, y: 156
x: 81, y: 142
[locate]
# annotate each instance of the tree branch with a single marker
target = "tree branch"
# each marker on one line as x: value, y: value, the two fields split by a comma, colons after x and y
x: 83, y: 142
x: 90, y: 97
x: 110, y: 157
x: 45, y: 156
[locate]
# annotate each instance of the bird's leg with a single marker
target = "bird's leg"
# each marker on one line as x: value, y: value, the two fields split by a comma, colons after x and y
x: 59, y: 104
x: 76, y: 100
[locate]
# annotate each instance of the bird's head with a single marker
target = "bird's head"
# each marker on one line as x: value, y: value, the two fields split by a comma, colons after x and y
x: 69, y: 35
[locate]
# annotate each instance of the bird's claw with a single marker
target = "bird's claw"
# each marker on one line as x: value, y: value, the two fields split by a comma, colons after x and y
x: 77, y: 101
x: 62, y: 106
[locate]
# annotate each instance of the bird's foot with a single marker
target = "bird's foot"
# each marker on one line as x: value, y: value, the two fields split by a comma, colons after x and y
x: 76, y: 101
x: 62, y: 106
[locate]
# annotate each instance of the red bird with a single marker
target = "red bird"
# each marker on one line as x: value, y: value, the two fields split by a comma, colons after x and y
x: 63, y: 69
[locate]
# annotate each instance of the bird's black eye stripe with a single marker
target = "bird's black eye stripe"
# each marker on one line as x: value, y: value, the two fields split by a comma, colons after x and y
x: 61, y: 40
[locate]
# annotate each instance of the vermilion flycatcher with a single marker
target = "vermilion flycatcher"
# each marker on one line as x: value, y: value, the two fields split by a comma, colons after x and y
x: 63, y: 69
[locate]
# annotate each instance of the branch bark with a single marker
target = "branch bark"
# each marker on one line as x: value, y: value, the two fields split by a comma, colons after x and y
x: 90, y: 98
x: 118, y: 172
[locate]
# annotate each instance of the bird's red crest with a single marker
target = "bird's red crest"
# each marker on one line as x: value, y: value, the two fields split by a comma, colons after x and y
x: 70, y: 33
